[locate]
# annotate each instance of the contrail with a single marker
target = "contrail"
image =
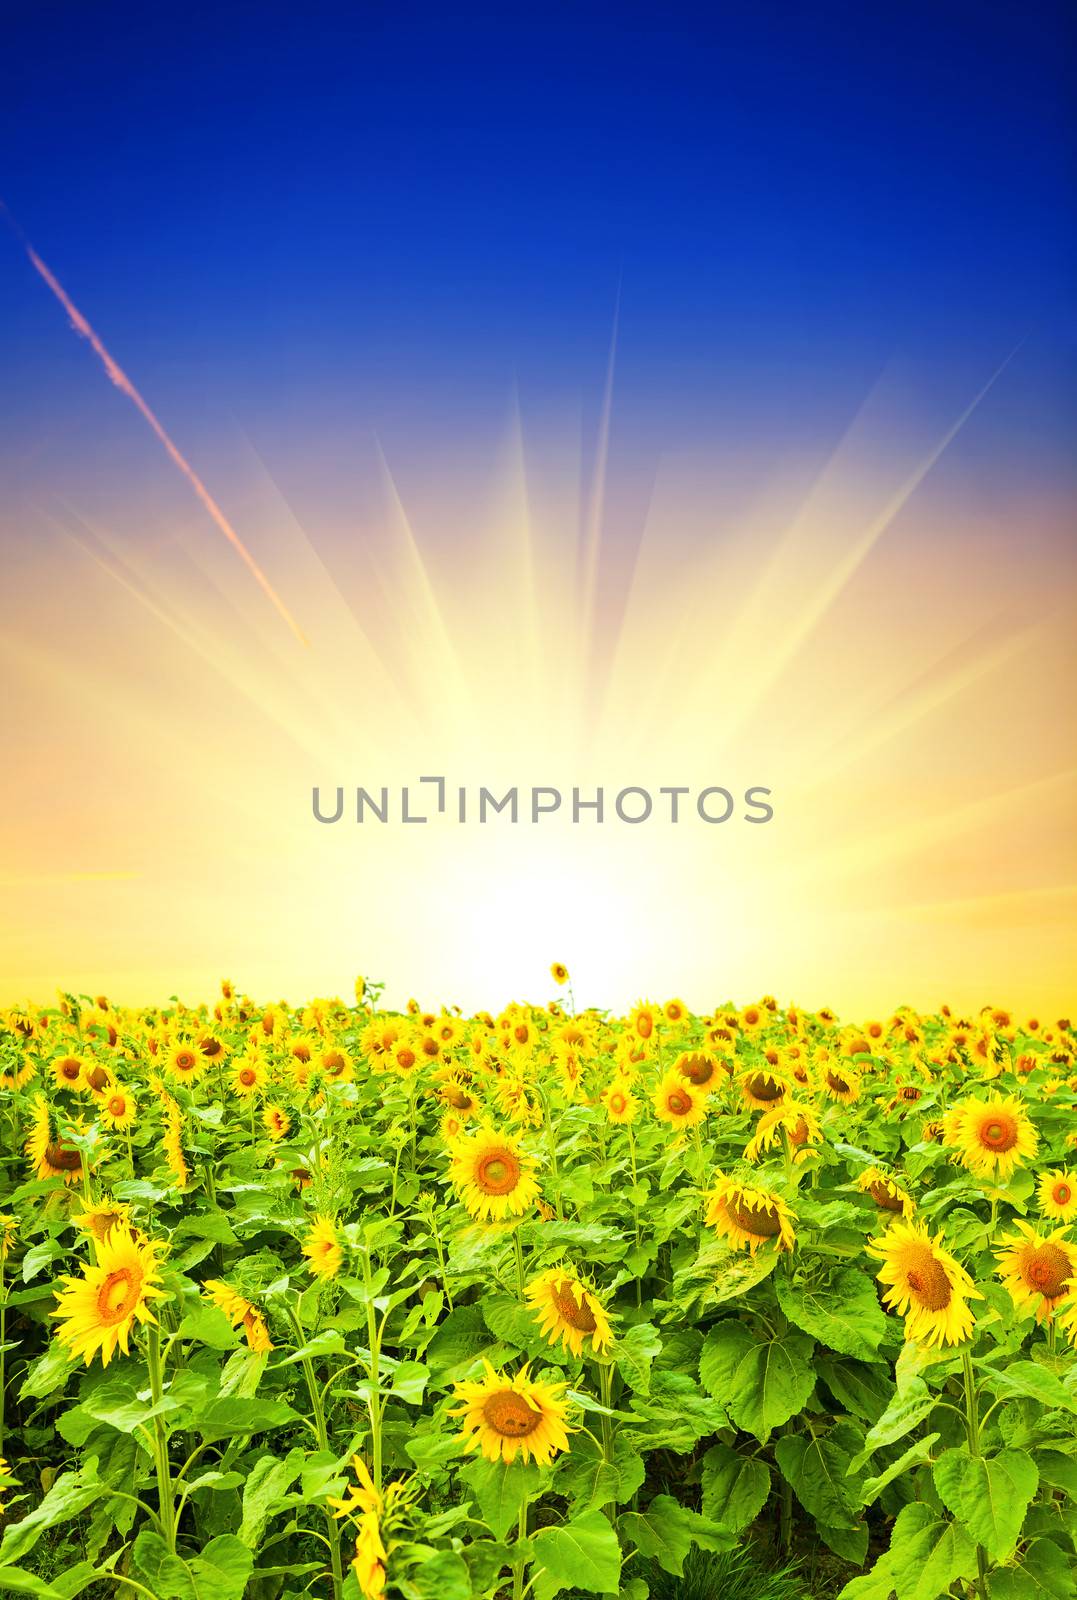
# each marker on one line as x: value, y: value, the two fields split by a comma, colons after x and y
x: 124, y: 384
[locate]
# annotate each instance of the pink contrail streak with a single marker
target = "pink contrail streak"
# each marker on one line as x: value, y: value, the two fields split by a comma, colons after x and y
x: 124, y: 384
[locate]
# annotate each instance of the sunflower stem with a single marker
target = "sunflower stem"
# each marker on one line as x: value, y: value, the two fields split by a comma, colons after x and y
x: 972, y: 1428
x: 166, y: 1509
x: 519, y: 1564
x: 321, y: 1431
x: 374, y: 1340
x: 551, y: 1142
x: 521, y: 1275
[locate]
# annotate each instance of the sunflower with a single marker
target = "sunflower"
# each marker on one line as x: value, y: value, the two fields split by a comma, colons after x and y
x: 1039, y: 1272
x: 559, y: 972
x: 322, y: 1248
x: 185, y: 1061
x: 886, y: 1191
x: 52, y: 1155
x: 452, y: 1127
x: 677, y: 1102
x: 505, y: 1417
x: 620, y: 1103
x: 118, y: 1108
x: 249, y: 1076
x: 763, y: 1089
x: 68, y: 1071
x: 213, y: 1049
x: 1057, y: 1195
x: 840, y: 1082
x: 798, y: 1122
x: 752, y: 1018
x: 675, y: 1011
x: 569, y: 1312
x: 699, y: 1067
x: 240, y: 1312
x: 926, y: 1285
x: 9, y: 1229
x: 748, y: 1216
x: 100, y: 1219
x: 493, y: 1178
x: 276, y: 1122
x: 643, y: 1020
x: 376, y: 1517
x: 173, y: 1143
x: 992, y: 1136
x: 97, y: 1311
x: 336, y: 1064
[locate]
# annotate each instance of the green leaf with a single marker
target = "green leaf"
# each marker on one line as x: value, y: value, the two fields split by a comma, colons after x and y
x: 1029, y: 1378
x: 267, y: 1484
x: 208, y: 1325
x: 927, y: 1554
x: 329, y: 1342
x: 863, y: 1390
x: 839, y: 1307
x: 590, y: 1481
x: 38, y: 1257
x: 580, y: 1554
x: 735, y: 1487
x: 817, y: 1468
x: 635, y: 1354
x: 70, y: 1494
x: 724, y: 1349
x: 65, y: 1587
x: 236, y: 1415
x: 904, y: 1413
x: 773, y: 1381
x: 916, y: 1455
x: 1043, y: 1572
x: 500, y: 1487
x: 989, y: 1497
x: 851, y: 1544
x: 443, y: 1576
x: 219, y: 1572
x: 666, y: 1531
x: 48, y: 1374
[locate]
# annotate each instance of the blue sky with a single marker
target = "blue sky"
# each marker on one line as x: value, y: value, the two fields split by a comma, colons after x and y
x: 375, y: 210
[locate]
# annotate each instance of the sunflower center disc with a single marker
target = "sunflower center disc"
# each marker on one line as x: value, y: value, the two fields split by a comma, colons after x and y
x: 117, y: 1106
x: 116, y: 1296
x: 61, y: 1157
x: 577, y: 1315
x: 1048, y: 1269
x: 498, y: 1173
x: 883, y: 1198
x: 929, y: 1283
x: 509, y: 1414
x: 1061, y: 1194
x: 762, y: 1220
x: 762, y: 1087
x: 838, y: 1084
x: 1000, y: 1135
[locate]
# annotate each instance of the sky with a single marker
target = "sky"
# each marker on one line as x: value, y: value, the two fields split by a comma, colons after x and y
x: 599, y: 390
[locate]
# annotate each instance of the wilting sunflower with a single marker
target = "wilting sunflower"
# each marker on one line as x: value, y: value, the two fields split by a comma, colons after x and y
x: 885, y: 1190
x: 1057, y: 1195
x: 763, y: 1089
x: 926, y: 1285
x: 98, y: 1310
x: 52, y: 1155
x: 506, y: 1417
x: 240, y: 1312
x: 800, y: 1124
x: 276, y: 1122
x: 840, y: 1080
x: 100, y: 1219
x: 992, y: 1136
x: 118, y: 1109
x: 1038, y: 1272
x: 748, y: 1216
x: 172, y: 1143
x: 493, y: 1178
x: 620, y: 1103
x: 322, y: 1248
x: 376, y: 1517
x: 677, y: 1102
x: 569, y: 1312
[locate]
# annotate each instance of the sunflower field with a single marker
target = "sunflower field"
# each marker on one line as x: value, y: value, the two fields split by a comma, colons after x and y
x: 341, y: 1302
